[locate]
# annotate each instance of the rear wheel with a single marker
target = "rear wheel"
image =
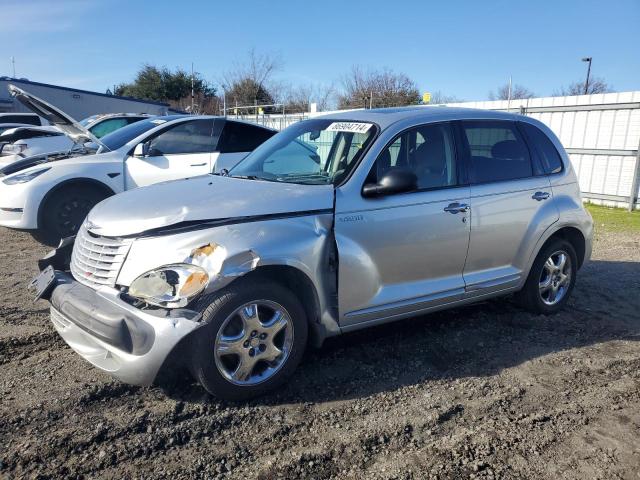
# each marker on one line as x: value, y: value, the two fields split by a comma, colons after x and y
x: 64, y: 212
x: 255, y: 336
x: 551, y: 279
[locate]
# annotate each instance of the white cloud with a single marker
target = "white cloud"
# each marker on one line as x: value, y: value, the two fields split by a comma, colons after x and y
x: 42, y: 15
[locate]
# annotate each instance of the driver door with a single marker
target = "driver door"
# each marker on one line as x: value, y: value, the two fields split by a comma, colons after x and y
x: 181, y: 151
x: 401, y: 254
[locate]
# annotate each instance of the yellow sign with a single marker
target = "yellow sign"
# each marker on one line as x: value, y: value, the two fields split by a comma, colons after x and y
x: 426, y: 97
x: 260, y: 110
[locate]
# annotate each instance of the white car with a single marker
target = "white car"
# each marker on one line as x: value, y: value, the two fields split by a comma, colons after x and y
x: 51, y: 194
x: 27, y: 141
x: 21, y: 142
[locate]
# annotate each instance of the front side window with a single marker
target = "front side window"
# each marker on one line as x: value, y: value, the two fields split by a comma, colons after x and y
x: 497, y: 151
x: 309, y: 152
x: 427, y: 151
x: 196, y: 136
x: 122, y: 136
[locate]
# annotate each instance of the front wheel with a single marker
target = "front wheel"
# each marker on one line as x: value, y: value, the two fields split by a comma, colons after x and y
x: 255, y: 336
x: 551, y: 279
x: 64, y: 212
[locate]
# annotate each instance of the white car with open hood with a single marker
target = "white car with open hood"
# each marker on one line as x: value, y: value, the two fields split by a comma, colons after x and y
x: 27, y: 140
x: 51, y: 194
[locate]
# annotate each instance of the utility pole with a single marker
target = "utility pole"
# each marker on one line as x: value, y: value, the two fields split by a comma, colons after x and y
x: 509, y: 95
x: 586, y: 84
x: 224, y: 103
x: 192, y: 92
x: 13, y: 66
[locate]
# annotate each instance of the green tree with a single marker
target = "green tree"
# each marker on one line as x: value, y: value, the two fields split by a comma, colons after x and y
x: 164, y: 85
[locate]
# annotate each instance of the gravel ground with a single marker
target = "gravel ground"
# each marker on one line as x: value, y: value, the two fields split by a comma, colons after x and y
x: 486, y: 391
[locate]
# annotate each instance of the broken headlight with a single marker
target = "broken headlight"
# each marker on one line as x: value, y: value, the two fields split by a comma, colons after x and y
x: 172, y: 286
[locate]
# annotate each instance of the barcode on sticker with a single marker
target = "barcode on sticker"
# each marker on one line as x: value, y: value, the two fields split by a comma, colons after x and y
x: 354, y: 127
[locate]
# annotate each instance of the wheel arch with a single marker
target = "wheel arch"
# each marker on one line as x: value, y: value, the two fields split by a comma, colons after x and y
x: 301, y: 285
x: 572, y: 235
x: 69, y: 183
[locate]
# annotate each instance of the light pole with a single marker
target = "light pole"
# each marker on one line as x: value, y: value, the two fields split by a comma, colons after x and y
x: 586, y: 84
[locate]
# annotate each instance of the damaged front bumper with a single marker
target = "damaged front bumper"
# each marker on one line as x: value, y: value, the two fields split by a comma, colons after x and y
x: 129, y: 343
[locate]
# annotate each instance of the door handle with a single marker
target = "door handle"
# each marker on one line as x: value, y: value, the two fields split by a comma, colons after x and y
x: 456, y: 207
x: 198, y: 164
x: 539, y: 196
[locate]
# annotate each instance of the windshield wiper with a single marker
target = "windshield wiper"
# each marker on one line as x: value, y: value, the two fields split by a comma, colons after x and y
x: 247, y: 177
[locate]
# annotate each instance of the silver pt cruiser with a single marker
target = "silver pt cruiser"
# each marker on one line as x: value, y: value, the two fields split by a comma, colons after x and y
x: 335, y: 224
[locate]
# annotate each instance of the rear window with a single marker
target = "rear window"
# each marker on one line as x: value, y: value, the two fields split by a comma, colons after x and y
x: 28, y: 119
x: 241, y: 137
x: 543, y: 148
x: 497, y: 151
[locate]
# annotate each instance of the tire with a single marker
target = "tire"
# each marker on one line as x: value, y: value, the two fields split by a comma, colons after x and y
x: 537, y: 295
x: 225, y: 343
x: 64, y: 211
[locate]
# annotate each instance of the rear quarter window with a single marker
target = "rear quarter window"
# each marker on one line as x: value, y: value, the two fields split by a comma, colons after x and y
x: 543, y: 147
x: 240, y: 137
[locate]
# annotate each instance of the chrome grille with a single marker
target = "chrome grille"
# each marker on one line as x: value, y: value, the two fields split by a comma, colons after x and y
x: 96, y: 260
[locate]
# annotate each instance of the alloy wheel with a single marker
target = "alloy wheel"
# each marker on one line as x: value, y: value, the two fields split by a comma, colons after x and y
x: 254, y: 342
x: 555, y: 277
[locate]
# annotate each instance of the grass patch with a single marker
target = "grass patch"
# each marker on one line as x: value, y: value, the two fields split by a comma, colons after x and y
x: 614, y: 219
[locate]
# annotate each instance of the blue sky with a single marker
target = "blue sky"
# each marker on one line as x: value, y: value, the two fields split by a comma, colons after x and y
x: 462, y: 48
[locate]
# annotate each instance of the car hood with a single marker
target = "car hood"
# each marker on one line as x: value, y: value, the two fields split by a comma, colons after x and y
x: 72, y: 129
x: 9, y: 168
x: 201, y: 200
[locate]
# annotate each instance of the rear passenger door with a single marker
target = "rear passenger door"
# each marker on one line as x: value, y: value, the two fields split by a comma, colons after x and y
x: 511, y: 204
x: 236, y: 142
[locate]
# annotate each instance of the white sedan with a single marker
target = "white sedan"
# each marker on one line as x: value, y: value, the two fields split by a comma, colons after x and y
x: 51, y: 194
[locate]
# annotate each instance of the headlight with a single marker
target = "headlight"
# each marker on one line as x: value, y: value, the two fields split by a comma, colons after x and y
x: 15, y: 149
x: 24, y: 177
x: 171, y: 286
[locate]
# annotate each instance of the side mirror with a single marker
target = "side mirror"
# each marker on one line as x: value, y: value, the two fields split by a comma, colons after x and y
x: 396, y: 180
x: 141, y: 150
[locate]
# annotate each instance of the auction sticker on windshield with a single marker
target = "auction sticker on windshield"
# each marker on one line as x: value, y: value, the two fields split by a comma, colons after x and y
x: 353, y: 127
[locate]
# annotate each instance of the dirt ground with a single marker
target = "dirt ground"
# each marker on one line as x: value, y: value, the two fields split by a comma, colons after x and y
x: 486, y: 391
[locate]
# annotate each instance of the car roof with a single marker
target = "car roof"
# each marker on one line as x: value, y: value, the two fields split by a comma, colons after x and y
x: 170, y: 118
x: 385, y: 117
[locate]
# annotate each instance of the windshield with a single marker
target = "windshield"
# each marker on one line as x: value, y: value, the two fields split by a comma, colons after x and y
x: 117, y: 139
x: 309, y: 152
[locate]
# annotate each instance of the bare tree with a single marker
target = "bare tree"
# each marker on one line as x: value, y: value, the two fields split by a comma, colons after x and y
x: 299, y: 98
x: 377, y: 88
x: 250, y: 81
x: 596, y: 85
x: 439, y: 97
x: 517, y: 92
